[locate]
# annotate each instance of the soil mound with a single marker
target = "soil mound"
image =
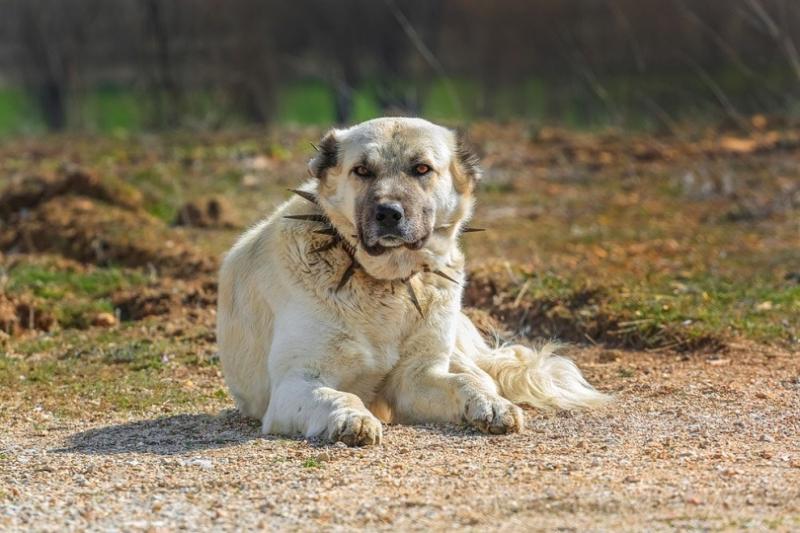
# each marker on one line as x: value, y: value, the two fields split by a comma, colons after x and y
x: 27, y: 193
x: 165, y: 299
x: 578, y: 316
x: 89, y: 220
x: 212, y: 212
x: 19, y: 314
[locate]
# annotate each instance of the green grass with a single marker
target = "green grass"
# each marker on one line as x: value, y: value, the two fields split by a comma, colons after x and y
x: 18, y: 113
x: 162, y: 197
x: 73, y: 297
x: 109, y: 370
x: 636, y: 102
x: 311, y: 462
x: 306, y: 103
x: 50, y: 282
x: 647, y: 313
x: 112, y: 110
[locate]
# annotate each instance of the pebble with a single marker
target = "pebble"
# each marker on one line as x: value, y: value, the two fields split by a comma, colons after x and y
x: 104, y: 320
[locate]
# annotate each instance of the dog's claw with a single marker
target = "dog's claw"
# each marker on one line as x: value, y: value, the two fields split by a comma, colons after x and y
x: 495, y: 416
x: 356, y: 429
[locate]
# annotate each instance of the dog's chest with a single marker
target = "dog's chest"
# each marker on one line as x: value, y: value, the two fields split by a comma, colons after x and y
x: 385, y: 311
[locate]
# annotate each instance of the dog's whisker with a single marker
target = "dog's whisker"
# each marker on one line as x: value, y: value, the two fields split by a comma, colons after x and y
x: 347, y: 275
x: 310, y: 196
x: 413, y: 296
x: 309, y: 218
x: 314, y: 146
x: 471, y: 230
x: 326, y: 231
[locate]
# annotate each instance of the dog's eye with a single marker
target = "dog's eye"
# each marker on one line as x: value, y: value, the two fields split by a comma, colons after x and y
x: 362, y: 171
x: 421, y: 169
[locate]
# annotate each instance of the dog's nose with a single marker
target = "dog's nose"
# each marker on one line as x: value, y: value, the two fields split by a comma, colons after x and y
x: 389, y: 215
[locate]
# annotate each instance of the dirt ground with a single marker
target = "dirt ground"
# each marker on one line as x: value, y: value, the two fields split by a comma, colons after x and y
x: 671, y: 262
x: 691, y: 442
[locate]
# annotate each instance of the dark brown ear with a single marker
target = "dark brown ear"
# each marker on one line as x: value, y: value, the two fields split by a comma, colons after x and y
x: 467, y: 171
x: 327, y: 156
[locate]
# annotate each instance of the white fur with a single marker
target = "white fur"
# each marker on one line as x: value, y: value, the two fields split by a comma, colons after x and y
x: 306, y: 359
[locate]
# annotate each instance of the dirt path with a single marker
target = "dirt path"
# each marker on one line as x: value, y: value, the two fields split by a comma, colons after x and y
x: 691, y: 443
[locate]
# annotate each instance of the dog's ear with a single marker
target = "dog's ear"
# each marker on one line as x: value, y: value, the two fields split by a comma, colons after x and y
x: 466, y: 164
x: 327, y: 156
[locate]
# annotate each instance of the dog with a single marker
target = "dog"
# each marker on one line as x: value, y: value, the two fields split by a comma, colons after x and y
x: 342, y: 310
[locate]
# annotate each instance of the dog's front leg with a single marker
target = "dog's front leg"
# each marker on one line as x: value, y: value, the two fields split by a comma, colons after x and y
x: 301, y: 403
x: 422, y: 388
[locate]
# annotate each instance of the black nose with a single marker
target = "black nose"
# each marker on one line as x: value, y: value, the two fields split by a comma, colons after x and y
x: 389, y: 215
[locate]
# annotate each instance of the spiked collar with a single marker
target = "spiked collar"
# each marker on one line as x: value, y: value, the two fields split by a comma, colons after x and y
x: 337, y: 239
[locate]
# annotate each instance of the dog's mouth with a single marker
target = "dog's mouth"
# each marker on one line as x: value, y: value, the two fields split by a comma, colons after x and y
x: 387, y: 243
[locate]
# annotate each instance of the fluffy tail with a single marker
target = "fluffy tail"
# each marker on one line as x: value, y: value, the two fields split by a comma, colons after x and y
x: 539, y: 378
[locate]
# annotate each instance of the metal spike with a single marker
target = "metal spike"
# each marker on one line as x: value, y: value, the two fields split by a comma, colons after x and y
x: 326, y: 231
x: 413, y: 296
x: 310, y: 218
x: 350, y: 249
x: 347, y: 275
x: 443, y: 275
x: 325, y: 247
x: 310, y: 196
x: 472, y: 230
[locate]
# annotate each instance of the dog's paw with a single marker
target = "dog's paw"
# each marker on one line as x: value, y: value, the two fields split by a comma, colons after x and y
x: 354, y: 428
x: 494, y: 415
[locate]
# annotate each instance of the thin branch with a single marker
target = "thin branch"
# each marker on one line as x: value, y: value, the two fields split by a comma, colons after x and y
x: 783, y: 39
x: 425, y: 52
x: 723, y: 99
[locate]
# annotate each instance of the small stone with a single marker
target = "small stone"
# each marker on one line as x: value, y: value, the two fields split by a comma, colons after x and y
x: 104, y: 320
x: 608, y: 356
x: 250, y: 181
x: 323, y: 457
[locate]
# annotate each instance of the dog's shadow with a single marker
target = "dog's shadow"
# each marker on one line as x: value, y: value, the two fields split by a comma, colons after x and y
x: 168, y: 435
x: 186, y: 433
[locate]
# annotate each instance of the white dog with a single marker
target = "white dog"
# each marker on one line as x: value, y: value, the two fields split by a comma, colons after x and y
x: 343, y: 308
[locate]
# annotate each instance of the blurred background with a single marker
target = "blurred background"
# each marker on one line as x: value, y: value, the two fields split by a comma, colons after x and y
x: 641, y: 157
x: 133, y: 65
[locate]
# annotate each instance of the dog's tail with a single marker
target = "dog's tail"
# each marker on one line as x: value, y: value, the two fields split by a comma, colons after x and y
x: 535, y: 377
x: 540, y: 378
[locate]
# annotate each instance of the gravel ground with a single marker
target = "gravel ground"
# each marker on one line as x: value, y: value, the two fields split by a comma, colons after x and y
x: 693, y: 442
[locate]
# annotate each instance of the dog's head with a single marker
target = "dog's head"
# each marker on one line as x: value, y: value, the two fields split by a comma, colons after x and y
x: 400, y: 188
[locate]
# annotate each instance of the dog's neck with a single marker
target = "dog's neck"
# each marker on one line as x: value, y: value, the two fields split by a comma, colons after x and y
x: 325, y: 224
